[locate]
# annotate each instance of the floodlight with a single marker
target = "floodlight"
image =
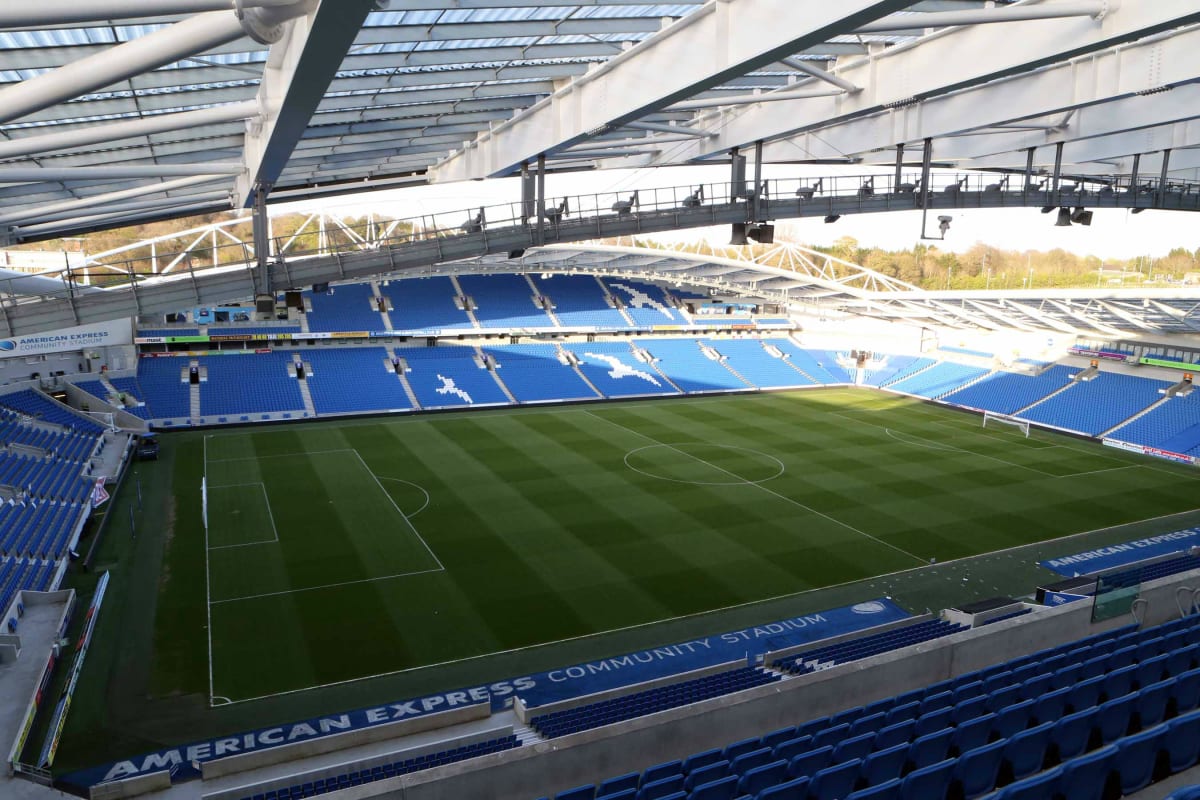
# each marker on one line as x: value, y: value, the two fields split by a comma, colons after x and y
x: 833, y: 218
x: 1064, y: 218
x: 1081, y: 216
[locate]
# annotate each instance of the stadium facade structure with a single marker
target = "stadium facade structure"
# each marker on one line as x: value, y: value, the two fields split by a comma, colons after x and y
x: 113, y: 117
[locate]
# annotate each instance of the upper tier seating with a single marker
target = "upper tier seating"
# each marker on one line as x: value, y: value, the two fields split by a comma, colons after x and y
x: 1116, y: 709
x: 646, y: 304
x: 249, y: 384
x: 165, y: 332
x: 1009, y: 392
x: 754, y: 363
x: 966, y: 351
x: 95, y: 388
x: 504, y: 301
x: 244, y: 330
x: 533, y: 373
x: 688, y: 367
x: 424, y: 304
x: 1149, y: 572
x: 167, y: 394
x: 448, y: 376
x: 579, y: 302
x: 1095, y: 406
x: 348, y: 307
x: 1176, y: 423
x: 351, y: 379
x: 37, y: 405
x: 612, y: 368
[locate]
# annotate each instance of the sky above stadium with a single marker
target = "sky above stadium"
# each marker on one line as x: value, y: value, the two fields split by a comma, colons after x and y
x: 1113, y: 233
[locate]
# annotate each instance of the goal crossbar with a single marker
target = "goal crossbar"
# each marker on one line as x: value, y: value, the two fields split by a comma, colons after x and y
x: 1004, y: 419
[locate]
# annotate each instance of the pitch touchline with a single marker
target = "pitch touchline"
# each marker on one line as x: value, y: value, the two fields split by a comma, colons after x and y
x: 760, y: 486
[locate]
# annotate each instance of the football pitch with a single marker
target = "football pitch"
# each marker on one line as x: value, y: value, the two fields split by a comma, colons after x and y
x: 338, y: 552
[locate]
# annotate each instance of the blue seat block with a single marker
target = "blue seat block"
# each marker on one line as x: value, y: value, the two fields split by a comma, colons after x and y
x: 928, y: 783
x: 885, y: 765
x: 619, y: 784
x: 755, y: 780
x: 889, y: 790
x: 1072, y: 732
x: 834, y: 783
x: 796, y: 789
x: 723, y: 789
x: 1026, y: 751
x: 663, y: 787
x: 1112, y: 718
x: 1183, y: 741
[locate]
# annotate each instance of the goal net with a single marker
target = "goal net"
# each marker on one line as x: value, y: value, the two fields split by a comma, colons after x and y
x: 1003, y: 419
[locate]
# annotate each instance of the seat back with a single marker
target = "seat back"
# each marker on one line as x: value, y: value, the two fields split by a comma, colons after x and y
x: 1026, y: 751
x: 1071, y: 733
x: 928, y: 783
x: 976, y: 770
x: 834, y: 783
x: 1182, y: 742
x: 885, y: 765
x: 1136, y: 757
x: 1112, y: 718
x: 1084, y: 778
x: 1039, y: 787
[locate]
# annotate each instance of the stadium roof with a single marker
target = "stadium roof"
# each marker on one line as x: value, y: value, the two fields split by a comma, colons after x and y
x: 110, y: 115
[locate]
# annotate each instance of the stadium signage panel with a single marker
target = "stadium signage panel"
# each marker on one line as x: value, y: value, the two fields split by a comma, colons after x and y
x: 537, y: 689
x: 748, y: 643
x: 1062, y: 598
x: 1120, y: 555
x: 1146, y: 450
x: 1162, y: 362
x: 99, y: 334
x: 184, y: 761
x: 1084, y: 351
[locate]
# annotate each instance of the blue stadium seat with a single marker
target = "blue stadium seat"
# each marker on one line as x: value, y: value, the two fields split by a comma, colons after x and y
x: 793, y: 747
x: 886, y: 764
x: 1013, y: 719
x: 1085, y: 777
x: 748, y: 761
x: 1025, y: 752
x: 619, y: 783
x: 928, y: 783
x: 756, y: 779
x: 930, y: 749
x: 934, y: 721
x: 795, y: 789
x: 831, y: 736
x: 723, y: 789
x: 1136, y: 758
x: 1052, y: 705
x: 1113, y: 717
x: 810, y: 763
x: 1039, y: 787
x: 1072, y: 732
x: 976, y: 770
x: 707, y: 773
x: 1152, y: 703
x: 667, y: 769
x: 973, y: 733
x: 1186, y: 691
x: 698, y: 760
x: 834, y: 783
x: 1182, y: 742
x: 889, y: 790
x: 854, y: 747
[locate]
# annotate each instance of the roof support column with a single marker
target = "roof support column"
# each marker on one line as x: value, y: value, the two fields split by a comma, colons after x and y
x: 1133, y: 173
x: 262, y: 244
x: 1162, y: 178
x: 899, y: 166
x: 541, y: 200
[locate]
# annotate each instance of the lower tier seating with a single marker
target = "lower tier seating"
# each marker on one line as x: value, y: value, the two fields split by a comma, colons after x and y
x: 335, y: 783
x: 1107, y: 713
x: 867, y: 646
x: 618, y: 709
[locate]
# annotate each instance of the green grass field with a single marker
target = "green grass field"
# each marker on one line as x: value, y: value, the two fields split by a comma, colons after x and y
x: 341, y: 553
x: 358, y: 561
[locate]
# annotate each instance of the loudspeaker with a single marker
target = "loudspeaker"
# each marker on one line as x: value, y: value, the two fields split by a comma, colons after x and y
x: 320, y: 288
x: 763, y: 234
x: 265, y: 304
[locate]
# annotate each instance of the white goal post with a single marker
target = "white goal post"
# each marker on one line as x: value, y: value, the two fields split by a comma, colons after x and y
x: 204, y: 501
x: 1004, y: 419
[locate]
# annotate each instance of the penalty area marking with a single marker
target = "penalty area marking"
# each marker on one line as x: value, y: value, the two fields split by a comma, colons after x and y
x: 416, y: 486
x: 270, y: 516
x: 739, y: 480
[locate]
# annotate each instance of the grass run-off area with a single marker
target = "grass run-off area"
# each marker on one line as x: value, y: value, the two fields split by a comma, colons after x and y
x: 494, y: 543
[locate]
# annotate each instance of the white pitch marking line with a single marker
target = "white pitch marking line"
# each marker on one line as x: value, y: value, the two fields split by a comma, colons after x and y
x: 282, y: 455
x: 762, y: 487
x: 411, y: 527
x: 415, y: 486
x: 326, y: 586
x: 207, y: 584
x: 270, y: 515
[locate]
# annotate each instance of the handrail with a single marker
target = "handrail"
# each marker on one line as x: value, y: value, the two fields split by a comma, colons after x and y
x: 1191, y: 593
x: 1141, y: 603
